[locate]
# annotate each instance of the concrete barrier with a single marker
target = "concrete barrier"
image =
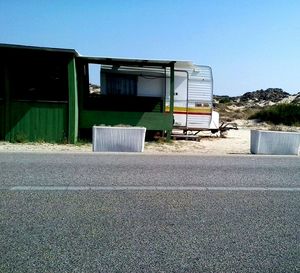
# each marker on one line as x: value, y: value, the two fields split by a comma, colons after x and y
x: 118, y: 139
x: 275, y: 143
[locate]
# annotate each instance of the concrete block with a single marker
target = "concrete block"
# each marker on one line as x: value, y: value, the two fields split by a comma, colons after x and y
x: 275, y: 143
x: 118, y: 139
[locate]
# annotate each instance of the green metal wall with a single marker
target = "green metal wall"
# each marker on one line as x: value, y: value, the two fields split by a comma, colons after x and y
x: 152, y: 121
x: 38, y: 94
x: 33, y: 121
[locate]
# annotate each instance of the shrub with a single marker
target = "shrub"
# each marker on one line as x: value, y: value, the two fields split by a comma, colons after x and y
x: 224, y: 100
x: 20, y: 137
x: 287, y: 114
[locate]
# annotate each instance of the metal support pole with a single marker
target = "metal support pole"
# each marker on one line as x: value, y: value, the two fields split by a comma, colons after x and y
x: 172, y: 86
x: 73, y: 103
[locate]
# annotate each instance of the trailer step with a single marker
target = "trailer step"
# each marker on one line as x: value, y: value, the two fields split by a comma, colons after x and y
x: 185, y: 137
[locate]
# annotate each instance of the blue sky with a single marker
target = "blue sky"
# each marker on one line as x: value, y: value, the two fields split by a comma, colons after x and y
x: 249, y: 44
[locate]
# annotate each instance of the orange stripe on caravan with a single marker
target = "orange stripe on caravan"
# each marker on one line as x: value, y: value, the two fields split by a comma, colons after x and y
x: 200, y: 111
x: 190, y: 110
x: 193, y: 113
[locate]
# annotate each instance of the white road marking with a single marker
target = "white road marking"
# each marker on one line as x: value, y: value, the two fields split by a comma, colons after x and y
x: 149, y: 188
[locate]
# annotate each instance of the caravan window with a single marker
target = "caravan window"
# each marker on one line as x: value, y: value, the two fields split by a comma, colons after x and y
x: 121, y: 84
x: 109, y: 82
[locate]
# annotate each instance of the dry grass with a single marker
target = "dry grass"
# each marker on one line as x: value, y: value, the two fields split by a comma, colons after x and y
x: 230, y: 112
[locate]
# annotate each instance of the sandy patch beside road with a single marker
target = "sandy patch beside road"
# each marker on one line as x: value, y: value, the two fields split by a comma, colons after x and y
x: 236, y: 142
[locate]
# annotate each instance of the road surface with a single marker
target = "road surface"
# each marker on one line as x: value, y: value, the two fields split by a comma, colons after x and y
x: 146, y: 213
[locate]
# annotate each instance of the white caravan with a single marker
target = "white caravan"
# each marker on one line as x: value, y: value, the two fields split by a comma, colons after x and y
x: 193, y: 98
x: 193, y: 92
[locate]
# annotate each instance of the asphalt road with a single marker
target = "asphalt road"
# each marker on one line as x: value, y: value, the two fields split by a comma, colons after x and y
x: 142, y: 213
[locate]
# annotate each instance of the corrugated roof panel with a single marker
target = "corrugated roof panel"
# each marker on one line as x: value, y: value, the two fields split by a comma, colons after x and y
x: 37, y: 48
x: 127, y: 61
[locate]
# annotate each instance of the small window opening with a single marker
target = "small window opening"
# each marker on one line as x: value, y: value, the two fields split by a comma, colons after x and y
x: 94, y: 80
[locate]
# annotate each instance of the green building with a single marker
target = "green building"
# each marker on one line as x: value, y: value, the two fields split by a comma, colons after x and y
x: 45, y: 94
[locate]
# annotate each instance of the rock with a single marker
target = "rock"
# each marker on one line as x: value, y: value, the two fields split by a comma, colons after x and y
x: 242, y: 107
x: 270, y: 94
x: 296, y: 100
x: 94, y: 89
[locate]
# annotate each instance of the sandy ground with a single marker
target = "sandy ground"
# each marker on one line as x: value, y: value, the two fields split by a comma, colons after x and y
x: 236, y: 142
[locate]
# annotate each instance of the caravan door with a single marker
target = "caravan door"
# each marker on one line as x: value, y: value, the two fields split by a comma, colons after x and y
x: 200, y: 96
x: 180, y: 98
